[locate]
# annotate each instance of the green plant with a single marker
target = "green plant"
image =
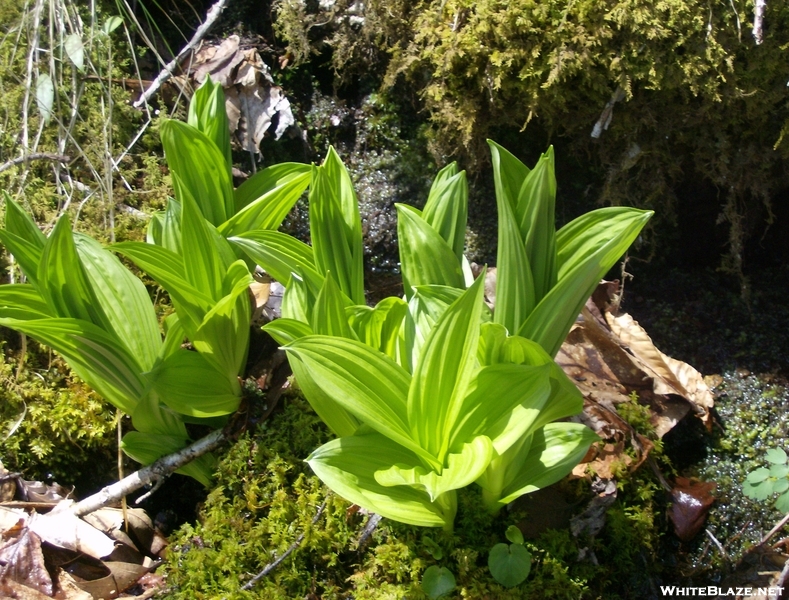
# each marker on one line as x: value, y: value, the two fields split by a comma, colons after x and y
x: 198, y: 155
x: 437, y: 582
x: 543, y: 280
x: 82, y: 302
x: 762, y: 483
x: 424, y: 435
x: 510, y: 564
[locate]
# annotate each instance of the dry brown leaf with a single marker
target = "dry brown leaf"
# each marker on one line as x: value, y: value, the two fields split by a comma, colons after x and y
x: 23, y: 561
x: 11, y: 589
x: 62, y: 528
x: 69, y: 588
x: 669, y: 376
x: 121, y: 577
x: 252, y: 101
x: 691, y: 501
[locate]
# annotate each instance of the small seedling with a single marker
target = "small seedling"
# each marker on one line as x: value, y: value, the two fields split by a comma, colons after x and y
x: 437, y: 582
x: 510, y: 564
x: 764, y: 482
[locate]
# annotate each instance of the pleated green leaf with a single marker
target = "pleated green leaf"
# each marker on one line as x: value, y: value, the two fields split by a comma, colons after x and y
x: 443, y: 373
x: 223, y: 335
x: 150, y: 416
x: 123, y: 299
x: 341, y: 422
x: 23, y: 302
x: 96, y: 356
x: 62, y: 280
x: 167, y: 269
x: 328, y: 315
x: 147, y: 448
x: 503, y: 403
x: 154, y: 231
x: 554, y: 451
x: 534, y: 211
x: 203, y: 267
x: 425, y: 257
x: 201, y: 168
x: 174, y: 335
x: 587, y: 248
x: 365, y: 382
x: 191, y: 385
x: 22, y: 238
x: 171, y: 226
x: 426, y: 306
x: 600, y: 236
x: 298, y: 300
x: 207, y: 114
x: 381, y: 327
x: 285, y: 331
x: 515, y: 298
x: 462, y: 468
x: 335, y: 226
x: 27, y: 254
x: 348, y: 466
x: 509, y: 173
x: 265, y: 199
x: 279, y: 255
x: 446, y: 209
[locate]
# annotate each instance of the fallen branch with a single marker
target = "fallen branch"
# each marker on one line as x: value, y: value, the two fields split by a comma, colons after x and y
x: 274, y: 564
x: 62, y: 158
x: 150, y: 474
x: 210, y: 18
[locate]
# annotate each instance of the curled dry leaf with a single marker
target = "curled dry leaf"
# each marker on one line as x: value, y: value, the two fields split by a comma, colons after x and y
x: 611, y: 357
x: 669, y: 375
x: 252, y: 101
x: 62, y: 528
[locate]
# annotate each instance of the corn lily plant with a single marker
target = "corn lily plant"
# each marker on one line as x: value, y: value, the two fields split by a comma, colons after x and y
x: 82, y: 302
x: 544, y: 277
x: 425, y: 435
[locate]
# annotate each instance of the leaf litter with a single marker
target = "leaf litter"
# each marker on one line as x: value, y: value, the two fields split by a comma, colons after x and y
x: 46, y: 551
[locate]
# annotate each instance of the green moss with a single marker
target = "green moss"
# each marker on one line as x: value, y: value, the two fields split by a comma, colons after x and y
x: 53, y: 426
x: 266, y: 497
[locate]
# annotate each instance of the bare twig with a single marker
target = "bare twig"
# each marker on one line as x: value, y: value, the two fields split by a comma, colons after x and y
x: 210, y: 18
x: 717, y: 543
x: 274, y: 564
x: 774, y: 530
x: 150, y: 474
x: 62, y: 158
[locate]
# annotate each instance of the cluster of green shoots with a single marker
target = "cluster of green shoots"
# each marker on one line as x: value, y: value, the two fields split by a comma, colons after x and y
x: 426, y: 394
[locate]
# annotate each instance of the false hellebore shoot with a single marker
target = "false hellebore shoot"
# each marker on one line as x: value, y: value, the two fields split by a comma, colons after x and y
x: 426, y: 394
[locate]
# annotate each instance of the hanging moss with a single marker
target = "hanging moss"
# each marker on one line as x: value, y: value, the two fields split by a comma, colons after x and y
x: 695, y: 98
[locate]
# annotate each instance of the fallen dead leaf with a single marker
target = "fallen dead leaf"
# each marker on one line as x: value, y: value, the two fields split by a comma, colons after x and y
x: 23, y: 561
x: 252, y: 101
x: 691, y: 503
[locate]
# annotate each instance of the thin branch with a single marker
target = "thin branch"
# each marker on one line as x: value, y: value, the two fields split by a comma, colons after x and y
x: 774, y: 530
x: 274, y: 564
x: 210, y: 18
x: 62, y: 158
x: 150, y: 474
